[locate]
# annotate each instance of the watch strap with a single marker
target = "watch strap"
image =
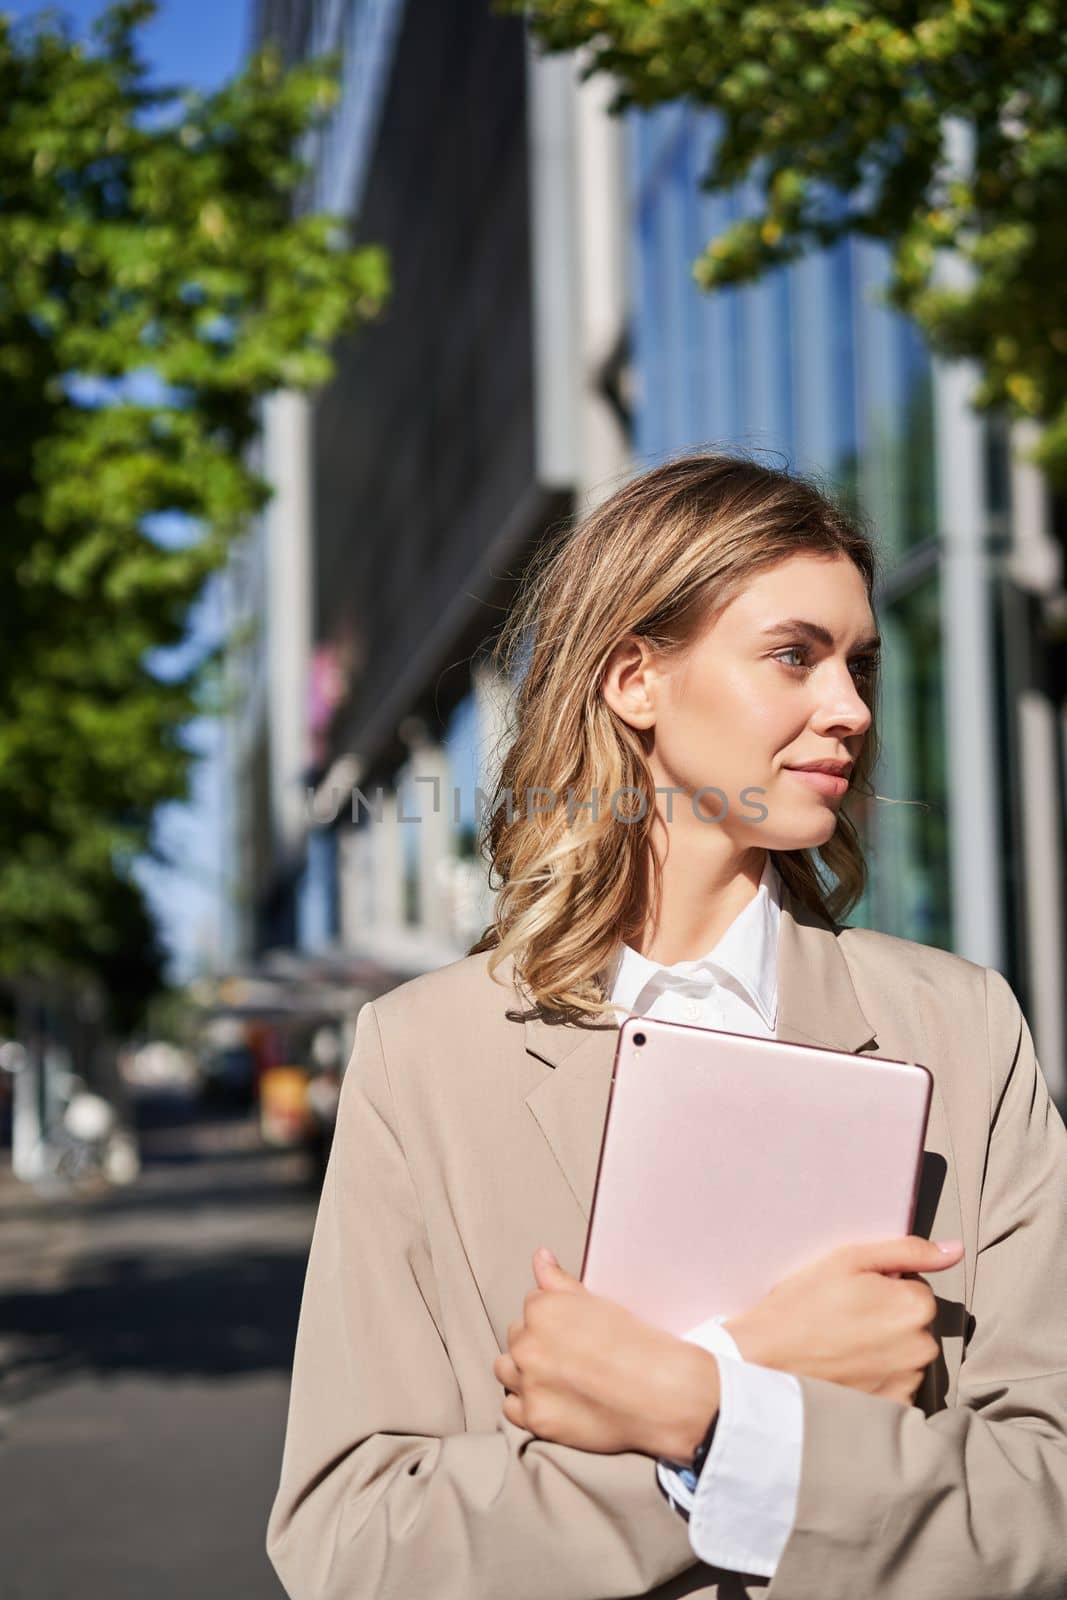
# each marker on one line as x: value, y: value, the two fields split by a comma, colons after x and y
x: 700, y: 1455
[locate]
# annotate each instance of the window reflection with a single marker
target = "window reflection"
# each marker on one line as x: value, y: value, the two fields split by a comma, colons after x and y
x: 907, y: 843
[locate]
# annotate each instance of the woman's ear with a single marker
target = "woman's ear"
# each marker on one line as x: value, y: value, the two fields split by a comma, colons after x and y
x: 628, y: 682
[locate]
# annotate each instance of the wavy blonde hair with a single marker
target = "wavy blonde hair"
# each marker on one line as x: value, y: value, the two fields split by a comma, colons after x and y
x: 661, y: 558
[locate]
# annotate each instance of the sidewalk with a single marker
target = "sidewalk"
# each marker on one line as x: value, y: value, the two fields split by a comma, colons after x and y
x: 41, y: 1236
x: 146, y: 1340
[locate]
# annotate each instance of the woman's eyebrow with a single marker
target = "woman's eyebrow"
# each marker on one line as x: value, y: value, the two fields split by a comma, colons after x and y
x: 820, y: 635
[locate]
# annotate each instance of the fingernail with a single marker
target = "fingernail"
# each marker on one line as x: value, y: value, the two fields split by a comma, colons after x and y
x: 948, y: 1247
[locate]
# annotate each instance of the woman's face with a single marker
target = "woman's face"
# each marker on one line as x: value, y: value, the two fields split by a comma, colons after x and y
x: 760, y: 692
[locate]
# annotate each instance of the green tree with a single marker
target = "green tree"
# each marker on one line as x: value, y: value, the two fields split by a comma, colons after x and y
x: 821, y: 103
x: 156, y: 281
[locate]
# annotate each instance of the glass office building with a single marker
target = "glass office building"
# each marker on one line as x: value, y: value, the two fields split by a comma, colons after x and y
x: 806, y: 368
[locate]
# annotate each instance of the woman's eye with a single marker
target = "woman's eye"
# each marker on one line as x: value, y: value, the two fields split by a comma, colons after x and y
x: 794, y: 650
x: 862, y: 668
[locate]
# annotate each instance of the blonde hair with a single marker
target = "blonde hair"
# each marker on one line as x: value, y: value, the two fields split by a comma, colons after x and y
x: 661, y: 558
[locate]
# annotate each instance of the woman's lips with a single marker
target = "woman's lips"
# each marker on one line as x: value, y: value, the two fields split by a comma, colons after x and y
x: 824, y: 782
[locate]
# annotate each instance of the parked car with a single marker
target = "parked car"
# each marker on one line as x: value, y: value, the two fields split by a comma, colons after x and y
x: 228, y: 1074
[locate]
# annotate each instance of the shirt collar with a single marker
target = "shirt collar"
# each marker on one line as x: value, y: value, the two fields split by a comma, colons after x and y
x: 747, y: 952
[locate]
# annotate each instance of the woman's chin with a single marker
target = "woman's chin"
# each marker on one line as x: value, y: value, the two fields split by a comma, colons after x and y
x: 798, y: 832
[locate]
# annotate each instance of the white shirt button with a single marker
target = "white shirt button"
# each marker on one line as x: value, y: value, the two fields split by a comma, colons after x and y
x: 692, y: 1009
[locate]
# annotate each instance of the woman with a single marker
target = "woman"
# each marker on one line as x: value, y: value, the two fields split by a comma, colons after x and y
x: 466, y: 1421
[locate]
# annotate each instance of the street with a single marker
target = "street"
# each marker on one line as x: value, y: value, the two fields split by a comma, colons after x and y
x: 146, y: 1340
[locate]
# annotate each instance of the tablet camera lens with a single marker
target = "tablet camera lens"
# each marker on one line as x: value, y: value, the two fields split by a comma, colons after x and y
x: 639, y: 1038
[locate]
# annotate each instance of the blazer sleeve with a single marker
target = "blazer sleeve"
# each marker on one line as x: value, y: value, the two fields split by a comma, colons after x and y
x: 972, y: 1501
x: 383, y: 1492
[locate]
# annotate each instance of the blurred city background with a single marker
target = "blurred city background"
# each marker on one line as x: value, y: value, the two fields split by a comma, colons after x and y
x: 317, y: 317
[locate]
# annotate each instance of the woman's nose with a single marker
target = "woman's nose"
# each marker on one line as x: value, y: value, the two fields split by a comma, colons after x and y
x: 845, y: 707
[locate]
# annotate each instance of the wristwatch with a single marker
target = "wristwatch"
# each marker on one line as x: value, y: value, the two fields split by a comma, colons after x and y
x: 700, y: 1455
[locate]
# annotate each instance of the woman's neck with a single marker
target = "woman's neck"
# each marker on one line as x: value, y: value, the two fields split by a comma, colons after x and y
x: 697, y: 907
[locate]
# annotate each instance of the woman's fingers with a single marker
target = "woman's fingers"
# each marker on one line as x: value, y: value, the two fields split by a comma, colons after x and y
x: 548, y: 1273
x: 513, y: 1410
x: 506, y: 1372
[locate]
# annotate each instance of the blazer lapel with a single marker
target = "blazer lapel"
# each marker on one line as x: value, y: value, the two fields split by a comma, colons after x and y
x: 570, y: 1104
x: 817, y: 1001
x: 817, y: 1004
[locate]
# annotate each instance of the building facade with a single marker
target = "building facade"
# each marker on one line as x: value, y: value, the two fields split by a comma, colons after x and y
x: 476, y: 414
x: 545, y: 338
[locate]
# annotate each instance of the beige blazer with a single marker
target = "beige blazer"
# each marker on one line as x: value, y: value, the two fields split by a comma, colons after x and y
x: 466, y: 1138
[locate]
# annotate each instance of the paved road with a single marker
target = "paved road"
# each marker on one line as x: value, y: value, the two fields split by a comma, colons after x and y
x: 146, y: 1341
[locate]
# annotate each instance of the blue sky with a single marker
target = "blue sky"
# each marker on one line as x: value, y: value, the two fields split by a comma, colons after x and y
x: 198, y: 42
x: 194, y: 43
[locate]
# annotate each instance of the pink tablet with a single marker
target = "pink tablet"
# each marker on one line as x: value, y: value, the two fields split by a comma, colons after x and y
x: 729, y: 1161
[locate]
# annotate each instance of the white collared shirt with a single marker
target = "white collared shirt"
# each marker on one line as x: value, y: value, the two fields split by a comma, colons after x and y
x: 742, y: 1509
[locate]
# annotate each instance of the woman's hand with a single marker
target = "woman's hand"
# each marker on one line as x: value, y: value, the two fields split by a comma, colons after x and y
x: 847, y: 1317
x: 583, y: 1371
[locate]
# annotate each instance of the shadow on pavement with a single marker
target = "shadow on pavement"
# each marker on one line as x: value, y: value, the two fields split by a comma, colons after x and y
x: 195, y: 1270
x: 126, y: 1314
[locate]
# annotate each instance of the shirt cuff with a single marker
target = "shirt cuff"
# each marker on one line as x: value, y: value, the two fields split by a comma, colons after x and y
x: 742, y: 1509
x: 711, y: 1335
x: 679, y: 1483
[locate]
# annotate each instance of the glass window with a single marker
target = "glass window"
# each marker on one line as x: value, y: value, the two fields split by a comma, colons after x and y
x: 907, y: 843
x: 409, y: 801
x: 844, y: 464
x: 917, y: 475
x: 461, y: 742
